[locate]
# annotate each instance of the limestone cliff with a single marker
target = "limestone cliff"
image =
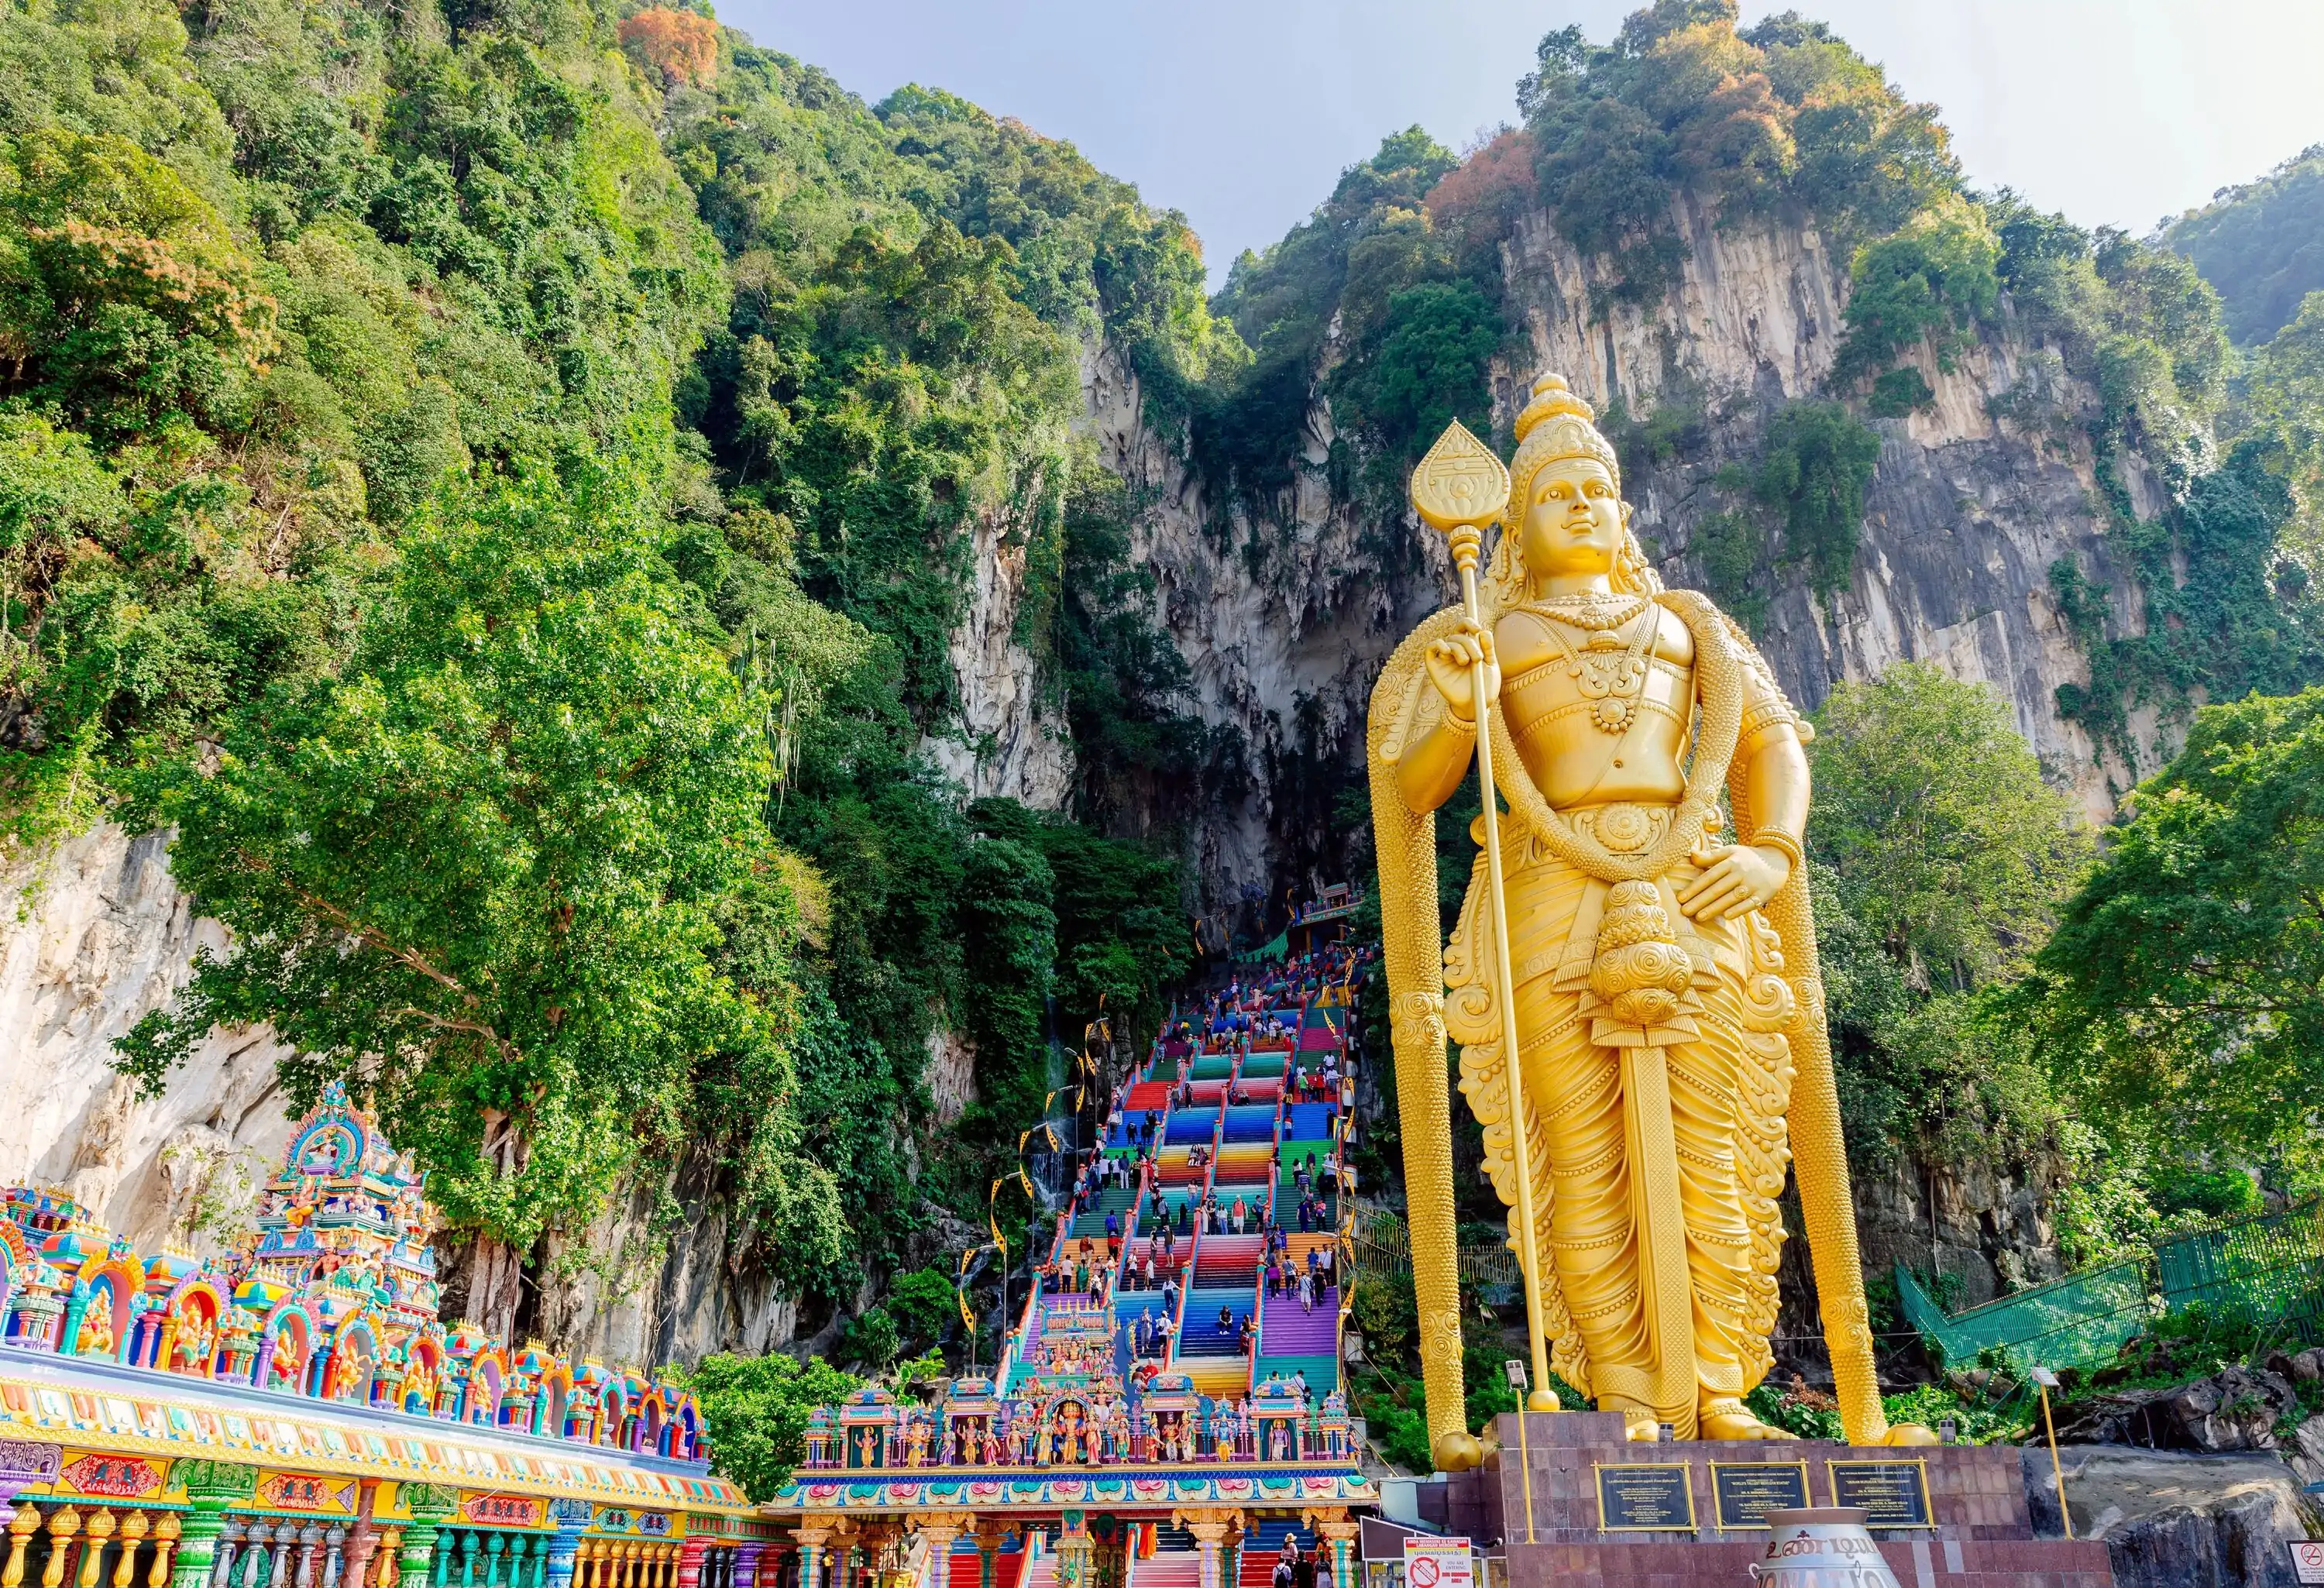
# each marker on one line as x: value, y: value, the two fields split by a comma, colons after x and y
x: 1286, y: 617
x: 97, y: 933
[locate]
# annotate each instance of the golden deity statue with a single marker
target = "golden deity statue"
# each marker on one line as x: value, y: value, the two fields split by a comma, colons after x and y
x: 1666, y: 999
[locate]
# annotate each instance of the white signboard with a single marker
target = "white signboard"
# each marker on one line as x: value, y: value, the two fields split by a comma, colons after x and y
x: 2307, y: 1560
x: 1440, y: 1563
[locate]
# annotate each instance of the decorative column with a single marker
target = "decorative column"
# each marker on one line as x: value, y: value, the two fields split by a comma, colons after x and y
x: 165, y: 1539
x: 429, y: 1506
x: 230, y: 1544
x: 811, y: 1542
x: 311, y: 1539
x: 391, y: 1552
x: 1338, y: 1530
x: 1076, y: 1568
x: 63, y: 1527
x: 689, y: 1563
x: 334, y: 1543
x: 1210, y: 1528
x: 23, y: 1524
x: 253, y: 1552
x: 285, y: 1535
x: 938, y: 1529
x: 363, y: 1537
x: 989, y: 1538
x: 746, y: 1565
x: 571, y: 1519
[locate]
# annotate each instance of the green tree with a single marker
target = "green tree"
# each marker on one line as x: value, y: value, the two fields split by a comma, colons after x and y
x: 2261, y: 244
x: 1933, y: 281
x: 476, y: 872
x: 755, y: 1410
x: 1932, y: 813
x: 1938, y: 857
x: 2185, y: 983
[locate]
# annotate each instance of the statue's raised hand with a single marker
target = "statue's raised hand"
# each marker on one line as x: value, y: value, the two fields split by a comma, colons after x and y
x: 1451, y: 668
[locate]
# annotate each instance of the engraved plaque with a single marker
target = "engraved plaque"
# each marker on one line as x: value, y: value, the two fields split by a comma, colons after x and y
x: 1742, y: 1492
x: 1893, y: 1493
x: 1645, y: 1496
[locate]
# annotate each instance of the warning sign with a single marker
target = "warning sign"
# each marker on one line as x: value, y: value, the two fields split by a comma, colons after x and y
x: 1440, y: 1563
x: 2307, y: 1560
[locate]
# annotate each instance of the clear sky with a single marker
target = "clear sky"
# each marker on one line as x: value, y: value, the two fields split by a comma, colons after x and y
x: 1243, y: 113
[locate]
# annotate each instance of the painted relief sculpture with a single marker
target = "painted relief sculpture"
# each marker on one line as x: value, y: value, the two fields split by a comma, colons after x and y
x: 1665, y: 994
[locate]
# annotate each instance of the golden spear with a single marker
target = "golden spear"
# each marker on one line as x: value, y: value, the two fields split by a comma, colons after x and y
x: 1459, y: 488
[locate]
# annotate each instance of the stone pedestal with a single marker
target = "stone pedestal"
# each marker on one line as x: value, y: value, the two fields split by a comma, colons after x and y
x: 1979, y: 1535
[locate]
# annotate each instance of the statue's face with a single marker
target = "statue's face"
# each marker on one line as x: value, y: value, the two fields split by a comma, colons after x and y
x: 1574, y: 523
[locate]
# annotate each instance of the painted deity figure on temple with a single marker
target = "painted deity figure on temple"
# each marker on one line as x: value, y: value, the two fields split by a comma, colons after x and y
x: 1661, y: 964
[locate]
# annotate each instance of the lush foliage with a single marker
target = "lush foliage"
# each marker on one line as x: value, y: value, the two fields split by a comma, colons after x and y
x: 2283, y: 409
x: 1417, y: 307
x: 1940, y: 858
x: 1683, y: 103
x: 477, y: 869
x: 1802, y: 506
x: 2183, y: 985
x: 2224, y: 614
x: 502, y: 480
x: 1931, y: 283
x: 755, y: 1410
x: 2261, y: 244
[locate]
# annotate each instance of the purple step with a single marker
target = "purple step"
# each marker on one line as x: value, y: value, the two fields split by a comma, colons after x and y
x: 1284, y: 1330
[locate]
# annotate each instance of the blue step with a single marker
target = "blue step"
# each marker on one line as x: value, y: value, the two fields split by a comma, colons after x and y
x: 1201, y: 1336
x: 1189, y: 1126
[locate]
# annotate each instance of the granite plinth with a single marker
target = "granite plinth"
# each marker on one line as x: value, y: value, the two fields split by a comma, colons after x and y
x: 1979, y: 1534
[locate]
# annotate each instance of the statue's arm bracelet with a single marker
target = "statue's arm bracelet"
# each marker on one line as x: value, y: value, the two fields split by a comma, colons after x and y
x: 1780, y: 840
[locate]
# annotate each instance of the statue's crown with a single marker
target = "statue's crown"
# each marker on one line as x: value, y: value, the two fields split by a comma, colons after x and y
x: 1556, y: 424
x: 1551, y: 397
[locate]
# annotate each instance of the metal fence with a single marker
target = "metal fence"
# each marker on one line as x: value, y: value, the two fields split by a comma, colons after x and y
x: 1380, y: 1245
x: 2263, y: 1272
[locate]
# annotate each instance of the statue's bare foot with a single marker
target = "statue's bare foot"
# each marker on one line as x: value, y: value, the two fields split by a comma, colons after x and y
x: 1726, y: 1419
x: 1639, y: 1422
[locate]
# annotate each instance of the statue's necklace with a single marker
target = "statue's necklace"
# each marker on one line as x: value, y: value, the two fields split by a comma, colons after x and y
x: 1595, y: 610
x: 1610, y: 675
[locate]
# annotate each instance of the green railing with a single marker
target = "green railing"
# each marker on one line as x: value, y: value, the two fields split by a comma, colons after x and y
x: 2264, y: 1271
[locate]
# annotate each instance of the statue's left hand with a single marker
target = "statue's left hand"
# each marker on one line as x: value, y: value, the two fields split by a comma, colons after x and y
x: 1736, y: 880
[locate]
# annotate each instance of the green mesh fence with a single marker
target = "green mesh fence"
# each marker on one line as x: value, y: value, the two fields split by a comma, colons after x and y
x: 2266, y: 1271
x: 2071, y: 1323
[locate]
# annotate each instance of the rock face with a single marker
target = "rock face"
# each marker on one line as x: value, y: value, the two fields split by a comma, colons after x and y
x: 1284, y: 611
x: 2173, y: 1520
x: 98, y: 933
x: 1009, y: 741
x: 2236, y: 1409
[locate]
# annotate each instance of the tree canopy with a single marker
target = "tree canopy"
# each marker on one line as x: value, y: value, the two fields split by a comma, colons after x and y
x: 2183, y: 991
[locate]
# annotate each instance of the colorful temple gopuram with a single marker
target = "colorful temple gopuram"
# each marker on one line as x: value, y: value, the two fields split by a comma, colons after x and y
x: 1168, y: 1405
x: 295, y: 1416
